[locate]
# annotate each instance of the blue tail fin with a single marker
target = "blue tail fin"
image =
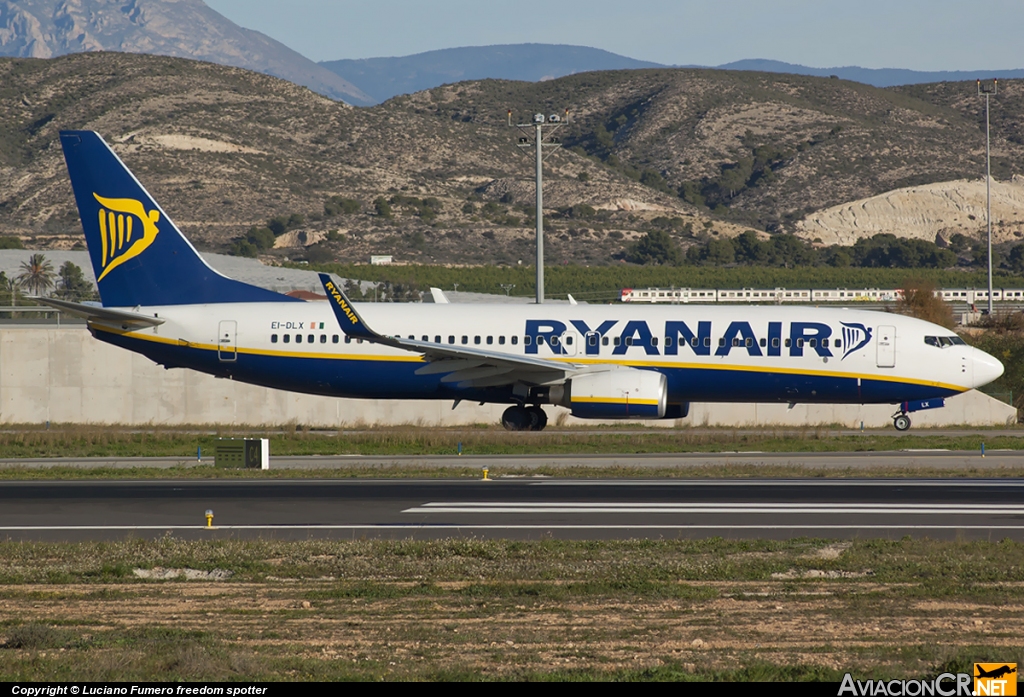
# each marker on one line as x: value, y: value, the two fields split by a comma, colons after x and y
x: 139, y: 256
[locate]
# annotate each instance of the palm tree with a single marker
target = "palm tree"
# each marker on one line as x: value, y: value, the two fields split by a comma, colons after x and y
x: 36, y: 274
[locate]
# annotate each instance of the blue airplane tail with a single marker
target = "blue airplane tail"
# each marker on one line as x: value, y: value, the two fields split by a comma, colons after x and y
x: 139, y: 256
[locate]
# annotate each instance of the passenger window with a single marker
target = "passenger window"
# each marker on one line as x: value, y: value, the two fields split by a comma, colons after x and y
x: 735, y: 341
x: 824, y: 343
x: 334, y: 338
x: 323, y: 338
x: 451, y: 339
x: 604, y: 341
x: 526, y: 340
x: 515, y: 340
x: 298, y: 338
x: 568, y: 340
x: 616, y: 341
x: 707, y: 342
x: 437, y: 339
x: 775, y: 343
x: 721, y: 342
x: 654, y: 341
x: 501, y: 340
x: 592, y: 340
x: 490, y: 340
x: 789, y: 342
x: 348, y: 339
x: 553, y: 341
x: 837, y: 343
x: 813, y: 343
x: 476, y: 340
x: 799, y: 343
x: 273, y: 338
x: 310, y: 339
x: 465, y: 339
x: 763, y: 342
x: 287, y: 338
x: 668, y: 341
x: 629, y: 341
x: 749, y: 342
x: 540, y: 340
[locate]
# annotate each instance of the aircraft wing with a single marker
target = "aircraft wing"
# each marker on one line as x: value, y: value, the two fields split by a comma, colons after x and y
x: 463, y: 365
x: 95, y: 313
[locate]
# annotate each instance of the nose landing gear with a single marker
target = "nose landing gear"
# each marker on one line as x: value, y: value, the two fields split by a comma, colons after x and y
x: 521, y: 418
x: 901, y: 422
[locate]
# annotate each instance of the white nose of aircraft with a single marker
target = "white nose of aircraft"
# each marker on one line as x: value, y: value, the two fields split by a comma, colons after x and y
x: 986, y: 368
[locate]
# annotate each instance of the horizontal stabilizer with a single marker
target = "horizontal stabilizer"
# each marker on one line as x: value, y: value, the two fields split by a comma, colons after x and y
x: 102, y: 314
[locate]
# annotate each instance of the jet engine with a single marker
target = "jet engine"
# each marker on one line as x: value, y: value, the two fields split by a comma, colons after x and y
x: 620, y: 393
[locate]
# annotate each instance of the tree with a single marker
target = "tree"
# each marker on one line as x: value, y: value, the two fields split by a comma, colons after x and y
x: 382, y: 207
x: 36, y: 274
x: 919, y: 300
x: 73, y: 284
x: 655, y: 247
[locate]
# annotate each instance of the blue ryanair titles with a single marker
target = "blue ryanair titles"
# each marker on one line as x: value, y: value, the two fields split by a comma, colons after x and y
x: 680, y: 337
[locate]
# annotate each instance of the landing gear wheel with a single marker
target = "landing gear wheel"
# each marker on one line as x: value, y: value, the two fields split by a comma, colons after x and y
x: 538, y: 418
x: 901, y: 422
x: 517, y: 418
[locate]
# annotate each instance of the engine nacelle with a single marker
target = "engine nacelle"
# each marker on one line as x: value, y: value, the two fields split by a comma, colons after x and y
x: 620, y: 393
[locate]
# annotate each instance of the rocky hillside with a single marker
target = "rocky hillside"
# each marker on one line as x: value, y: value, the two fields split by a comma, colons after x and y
x: 184, y: 28
x: 225, y: 149
x: 435, y: 176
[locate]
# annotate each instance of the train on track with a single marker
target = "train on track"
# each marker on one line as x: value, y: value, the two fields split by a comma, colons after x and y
x: 969, y: 296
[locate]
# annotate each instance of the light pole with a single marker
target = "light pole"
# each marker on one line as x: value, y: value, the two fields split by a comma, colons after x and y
x: 987, y: 90
x: 554, y: 121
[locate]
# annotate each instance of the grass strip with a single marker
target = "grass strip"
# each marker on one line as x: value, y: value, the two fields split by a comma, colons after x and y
x: 466, y: 609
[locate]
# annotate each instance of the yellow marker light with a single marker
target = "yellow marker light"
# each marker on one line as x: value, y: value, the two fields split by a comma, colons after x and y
x: 486, y: 478
x: 209, y: 519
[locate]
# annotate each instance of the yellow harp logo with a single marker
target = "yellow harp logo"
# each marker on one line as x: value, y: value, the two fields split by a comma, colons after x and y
x: 120, y: 240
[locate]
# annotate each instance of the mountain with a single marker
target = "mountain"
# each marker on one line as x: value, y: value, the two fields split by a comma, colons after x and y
x: 384, y: 78
x: 183, y: 28
x: 878, y: 77
x: 697, y: 153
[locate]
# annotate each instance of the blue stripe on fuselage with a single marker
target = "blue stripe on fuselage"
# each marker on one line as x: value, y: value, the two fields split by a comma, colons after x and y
x: 369, y: 378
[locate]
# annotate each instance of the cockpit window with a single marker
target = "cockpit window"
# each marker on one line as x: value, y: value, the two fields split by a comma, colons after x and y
x: 944, y: 341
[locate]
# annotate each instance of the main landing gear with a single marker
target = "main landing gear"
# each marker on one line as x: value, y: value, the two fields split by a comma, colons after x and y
x: 521, y: 418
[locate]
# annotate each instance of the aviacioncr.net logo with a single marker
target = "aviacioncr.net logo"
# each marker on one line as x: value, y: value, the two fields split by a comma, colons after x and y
x: 995, y: 679
x: 121, y: 237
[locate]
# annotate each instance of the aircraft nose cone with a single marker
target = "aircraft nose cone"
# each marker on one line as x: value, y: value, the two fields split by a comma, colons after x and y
x: 986, y: 368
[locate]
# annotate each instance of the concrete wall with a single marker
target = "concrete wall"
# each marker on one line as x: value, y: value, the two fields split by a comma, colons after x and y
x: 63, y: 375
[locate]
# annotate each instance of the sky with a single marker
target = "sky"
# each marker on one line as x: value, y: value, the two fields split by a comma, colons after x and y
x: 913, y: 34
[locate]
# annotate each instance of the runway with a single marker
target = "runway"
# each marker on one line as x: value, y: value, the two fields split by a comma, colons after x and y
x: 524, y: 508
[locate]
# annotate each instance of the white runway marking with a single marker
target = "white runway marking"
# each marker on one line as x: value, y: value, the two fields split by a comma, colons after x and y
x: 489, y: 508
x: 887, y: 483
x: 427, y: 526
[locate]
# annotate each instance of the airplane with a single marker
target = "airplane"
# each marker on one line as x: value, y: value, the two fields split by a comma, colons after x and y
x: 161, y: 299
x: 995, y: 672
